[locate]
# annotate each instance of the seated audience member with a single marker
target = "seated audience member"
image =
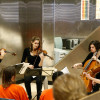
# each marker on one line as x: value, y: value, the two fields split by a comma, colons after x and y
x: 2, y: 54
x: 48, y: 93
x: 68, y: 87
x: 10, y: 90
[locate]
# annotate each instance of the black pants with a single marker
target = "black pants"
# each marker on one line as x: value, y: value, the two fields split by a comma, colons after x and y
x: 28, y: 80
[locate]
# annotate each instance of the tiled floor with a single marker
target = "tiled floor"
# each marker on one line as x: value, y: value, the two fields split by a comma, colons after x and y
x: 33, y: 87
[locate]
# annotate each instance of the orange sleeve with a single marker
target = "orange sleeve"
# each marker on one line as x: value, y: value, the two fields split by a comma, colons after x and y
x: 42, y: 96
x: 22, y: 94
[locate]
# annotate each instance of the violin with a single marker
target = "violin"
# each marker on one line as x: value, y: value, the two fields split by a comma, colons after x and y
x: 44, y: 53
x: 7, y: 52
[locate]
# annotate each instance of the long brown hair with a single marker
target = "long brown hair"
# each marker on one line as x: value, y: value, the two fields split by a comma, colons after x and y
x: 7, y: 74
x: 33, y: 39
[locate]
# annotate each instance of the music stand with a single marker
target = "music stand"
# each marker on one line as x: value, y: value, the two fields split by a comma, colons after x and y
x: 47, y: 71
x: 33, y: 72
x: 18, y: 67
x: 28, y: 71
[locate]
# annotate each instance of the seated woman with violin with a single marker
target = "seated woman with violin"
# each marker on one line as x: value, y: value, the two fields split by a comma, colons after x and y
x: 2, y: 54
x: 94, y: 47
x: 35, y: 57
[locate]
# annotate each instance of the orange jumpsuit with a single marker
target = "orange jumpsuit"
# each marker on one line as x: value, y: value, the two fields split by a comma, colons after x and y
x: 14, y: 91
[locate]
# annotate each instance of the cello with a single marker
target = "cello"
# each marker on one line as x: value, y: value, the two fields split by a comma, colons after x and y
x: 92, y: 68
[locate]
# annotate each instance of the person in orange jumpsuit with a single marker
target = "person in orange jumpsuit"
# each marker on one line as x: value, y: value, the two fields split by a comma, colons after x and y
x: 9, y: 89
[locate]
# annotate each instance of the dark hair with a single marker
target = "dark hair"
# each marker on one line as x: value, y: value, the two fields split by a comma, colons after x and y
x: 33, y: 39
x: 56, y: 74
x: 96, y: 44
x: 7, y: 74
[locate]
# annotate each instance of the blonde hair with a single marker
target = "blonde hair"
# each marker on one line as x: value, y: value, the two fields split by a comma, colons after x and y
x: 68, y: 87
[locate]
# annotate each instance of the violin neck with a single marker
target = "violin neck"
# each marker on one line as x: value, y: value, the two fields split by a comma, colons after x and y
x: 11, y: 53
x: 47, y: 56
x: 7, y: 52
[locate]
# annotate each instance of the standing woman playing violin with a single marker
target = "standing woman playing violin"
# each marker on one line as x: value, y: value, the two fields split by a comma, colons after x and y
x: 2, y: 54
x: 36, y: 60
x: 94, y: 47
